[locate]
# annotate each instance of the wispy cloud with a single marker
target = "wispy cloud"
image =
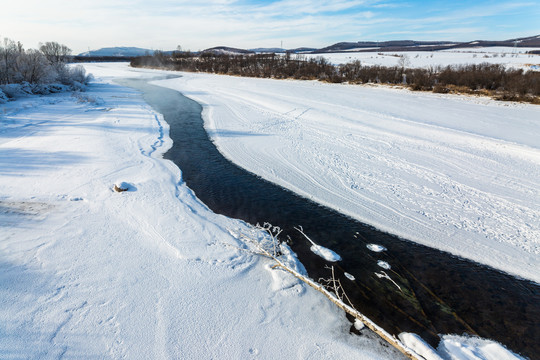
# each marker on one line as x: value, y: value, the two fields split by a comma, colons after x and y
x: 163, y: 24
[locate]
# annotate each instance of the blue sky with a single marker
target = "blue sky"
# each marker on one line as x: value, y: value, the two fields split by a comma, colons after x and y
x: 196, y: 25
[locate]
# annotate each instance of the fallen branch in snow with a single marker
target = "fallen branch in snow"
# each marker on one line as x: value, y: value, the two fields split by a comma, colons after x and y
x: 269, y: 246
x: 337, y: 288
x: 382, y: 274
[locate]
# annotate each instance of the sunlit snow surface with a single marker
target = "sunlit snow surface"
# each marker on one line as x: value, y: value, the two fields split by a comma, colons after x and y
x: 510, y: 57
x: 150, y: 273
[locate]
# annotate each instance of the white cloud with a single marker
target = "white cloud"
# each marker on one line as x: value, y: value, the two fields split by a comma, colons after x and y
x: 163, y: 24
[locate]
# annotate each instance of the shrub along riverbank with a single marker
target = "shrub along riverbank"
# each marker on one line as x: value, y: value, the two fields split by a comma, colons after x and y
x: 493, y: 80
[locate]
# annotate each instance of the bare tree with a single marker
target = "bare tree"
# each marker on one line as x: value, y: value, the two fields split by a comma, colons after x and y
x: 404, y: 61
x: 8, y: 56
x: 56, y: 53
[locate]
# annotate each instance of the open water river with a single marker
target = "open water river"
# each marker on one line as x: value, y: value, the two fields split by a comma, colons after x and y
x: 438, y: 293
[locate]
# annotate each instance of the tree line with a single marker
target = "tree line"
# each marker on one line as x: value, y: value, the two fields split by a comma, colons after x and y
x: 487, y: 79
x: 39, y: 71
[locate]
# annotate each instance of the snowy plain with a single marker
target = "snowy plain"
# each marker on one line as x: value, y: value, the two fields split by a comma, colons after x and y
x: 150, y: 273
x: 457, y: 173
x: 507, y: 56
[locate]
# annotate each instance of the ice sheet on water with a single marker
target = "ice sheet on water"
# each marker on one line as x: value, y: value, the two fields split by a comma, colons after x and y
x: 349, y: 276
x: 376, y: 247
x: 384, y: 264
x: 325, y: 253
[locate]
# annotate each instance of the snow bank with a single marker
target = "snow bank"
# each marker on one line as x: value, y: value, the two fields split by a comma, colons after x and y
x: 457, y: 173
x: 89, y: 273
x: 419, y: 346
x: 454, y: 347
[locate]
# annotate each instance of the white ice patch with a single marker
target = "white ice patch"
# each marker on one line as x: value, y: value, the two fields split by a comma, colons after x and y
x: 349, y: 276
x: 376, y: 247
x: 456, y: 347
x: 325, y: 253
x: 384, y: 264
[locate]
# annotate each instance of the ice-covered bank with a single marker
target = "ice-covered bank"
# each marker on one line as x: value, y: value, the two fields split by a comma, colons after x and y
x: 457, y: 173
x: 86, y: 272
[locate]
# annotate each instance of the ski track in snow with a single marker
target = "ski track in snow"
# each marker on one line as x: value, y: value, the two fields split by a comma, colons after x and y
x: 457, y: 173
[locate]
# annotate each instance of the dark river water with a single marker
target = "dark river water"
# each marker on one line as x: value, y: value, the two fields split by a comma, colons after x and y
x: 438, y: 293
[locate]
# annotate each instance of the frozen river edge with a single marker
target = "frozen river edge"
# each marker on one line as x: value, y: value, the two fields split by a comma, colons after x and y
x: 455, y: 173
x: 72, y: 248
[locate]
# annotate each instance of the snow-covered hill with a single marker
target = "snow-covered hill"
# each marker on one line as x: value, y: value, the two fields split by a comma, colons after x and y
x: 118, y: 51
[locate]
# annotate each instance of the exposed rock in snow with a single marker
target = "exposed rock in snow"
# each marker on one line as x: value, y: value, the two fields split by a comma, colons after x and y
x: 121, y: 186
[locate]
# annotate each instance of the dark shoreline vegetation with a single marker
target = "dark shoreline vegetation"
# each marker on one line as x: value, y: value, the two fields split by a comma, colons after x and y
x: 485, y: 79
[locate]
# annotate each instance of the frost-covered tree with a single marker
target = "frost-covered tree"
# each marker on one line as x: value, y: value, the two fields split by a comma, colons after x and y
x: 36, y: 71
x: 32, y: 66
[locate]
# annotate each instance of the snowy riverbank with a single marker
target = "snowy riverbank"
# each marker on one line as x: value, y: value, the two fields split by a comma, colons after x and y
x: 89, y: 273
x: 456, y: 173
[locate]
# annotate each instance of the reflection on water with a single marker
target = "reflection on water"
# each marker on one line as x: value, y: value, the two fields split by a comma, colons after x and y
x: 423, y: 290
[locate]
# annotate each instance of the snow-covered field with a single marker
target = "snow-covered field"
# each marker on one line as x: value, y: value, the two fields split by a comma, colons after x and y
x: 87, y: 273
x: 508, y: 56
x: 455, y: 173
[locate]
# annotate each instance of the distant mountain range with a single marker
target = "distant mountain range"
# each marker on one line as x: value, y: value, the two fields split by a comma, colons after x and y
x: 360, y: 46
x: 411, y: 45
x: 117, y: 52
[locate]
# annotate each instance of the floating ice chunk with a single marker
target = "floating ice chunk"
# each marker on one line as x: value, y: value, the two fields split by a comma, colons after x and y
x: 376, y: 247
x: 325, y: 253
x: 384, y: 264
x: 349, y: 276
